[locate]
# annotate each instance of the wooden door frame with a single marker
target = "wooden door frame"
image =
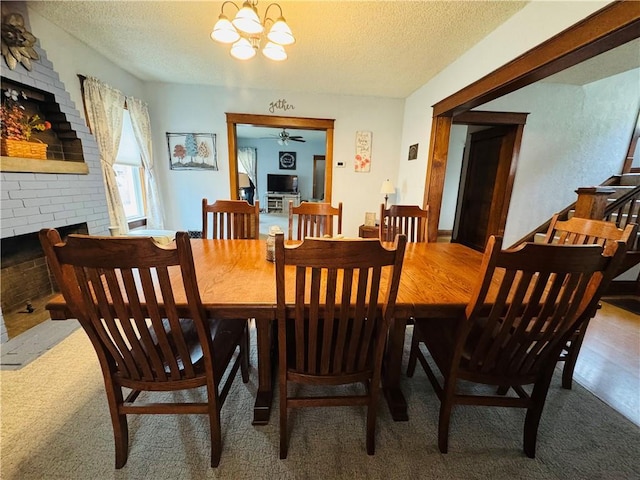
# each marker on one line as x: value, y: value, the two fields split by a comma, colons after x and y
x: 509, y: 154
x: 234, y: 119
x: 609, y: 27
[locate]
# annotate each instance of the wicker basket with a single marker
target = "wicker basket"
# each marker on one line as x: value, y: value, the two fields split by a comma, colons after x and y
x: 23, y: 149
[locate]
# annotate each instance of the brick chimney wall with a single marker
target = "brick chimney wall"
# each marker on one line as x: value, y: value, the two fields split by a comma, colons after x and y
x: 31, y: 201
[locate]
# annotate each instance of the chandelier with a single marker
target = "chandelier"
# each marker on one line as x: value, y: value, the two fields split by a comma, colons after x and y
x: 246, y: 31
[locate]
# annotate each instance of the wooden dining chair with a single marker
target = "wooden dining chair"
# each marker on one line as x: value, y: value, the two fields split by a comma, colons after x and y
x: 314, y: 219
x: 231, y: 219
x: 335, y: 332
x: 525, y: 306
x: 585, y: 231
x: 409, y: 220
x: 121, y: 290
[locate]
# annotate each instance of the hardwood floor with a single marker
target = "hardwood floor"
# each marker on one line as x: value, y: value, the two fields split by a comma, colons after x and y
x: 609, y: 360
x: 20, y: 320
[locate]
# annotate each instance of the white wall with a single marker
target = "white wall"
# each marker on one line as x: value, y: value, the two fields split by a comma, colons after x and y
x: 185, y: 108
x: 574, y: 137
x: 532, y: 25
x: 395, y: 124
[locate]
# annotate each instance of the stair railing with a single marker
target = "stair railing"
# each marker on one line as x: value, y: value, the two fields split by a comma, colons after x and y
x: 625, y: 210
x: 632, y: 198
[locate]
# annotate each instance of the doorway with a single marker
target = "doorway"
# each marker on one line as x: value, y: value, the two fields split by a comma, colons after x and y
x: 480, y: 182
x: 319, y: 174
x: 610, y: 27
x: 488, y: 172
x: 235, y: 119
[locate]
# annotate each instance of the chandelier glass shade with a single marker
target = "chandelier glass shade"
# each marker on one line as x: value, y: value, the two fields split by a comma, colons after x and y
x: 246, y: 31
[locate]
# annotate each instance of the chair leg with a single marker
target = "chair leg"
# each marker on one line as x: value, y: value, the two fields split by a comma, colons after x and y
x: 413, y: 353
x: 244, y: 354
x: 216, y: 435
x: 284, y: 443
x: 572, y: 356
x: 534, y: 412
x: 502, y: 390
x: 119, y: 423
x: 446, y: 406
x: 371, y: 420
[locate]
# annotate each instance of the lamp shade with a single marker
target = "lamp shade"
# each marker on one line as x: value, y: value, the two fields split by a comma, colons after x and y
x: 247, y: 20
x: 242, y: 50
x: 243, y: 180
x: 280, y: 33
x: 387, y: 188
x: 224, y: 31
x: 273, y: 51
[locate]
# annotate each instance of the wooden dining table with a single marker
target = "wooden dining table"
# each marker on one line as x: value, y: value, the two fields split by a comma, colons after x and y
x: 237, y: 282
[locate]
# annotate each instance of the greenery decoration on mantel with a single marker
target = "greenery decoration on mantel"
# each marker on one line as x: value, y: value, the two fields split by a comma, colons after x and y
x: 17, y: 42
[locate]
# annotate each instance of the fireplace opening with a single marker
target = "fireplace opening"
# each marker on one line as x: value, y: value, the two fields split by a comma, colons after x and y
x: 27, y: 283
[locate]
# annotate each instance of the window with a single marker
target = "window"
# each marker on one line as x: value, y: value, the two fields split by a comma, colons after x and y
x: 128, y: 169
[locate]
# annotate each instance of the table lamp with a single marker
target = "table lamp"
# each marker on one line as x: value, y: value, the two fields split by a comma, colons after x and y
x: 243, y: 180
x: 387, y: 189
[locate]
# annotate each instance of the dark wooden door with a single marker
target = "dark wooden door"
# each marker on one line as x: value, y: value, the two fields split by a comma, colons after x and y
x: 483, y: 180
x: 318, y: 177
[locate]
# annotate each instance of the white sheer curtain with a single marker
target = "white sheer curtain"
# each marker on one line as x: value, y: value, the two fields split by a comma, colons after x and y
x: 247, y: 157
x: 104, y: 106
x: 139, y: 113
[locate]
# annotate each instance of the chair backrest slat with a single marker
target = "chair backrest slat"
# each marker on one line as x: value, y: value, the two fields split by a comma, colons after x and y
x: 231, y: 219
x: 587, y: 231
x: 528, y: 303
x: 409, y: 220
x: 314, y: 219
x: 338, y: 318
x: 121, y: 289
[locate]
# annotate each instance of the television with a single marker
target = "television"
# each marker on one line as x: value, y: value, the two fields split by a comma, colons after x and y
x: 282, y: 183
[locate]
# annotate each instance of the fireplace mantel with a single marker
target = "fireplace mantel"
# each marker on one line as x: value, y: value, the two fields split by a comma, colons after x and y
x: 31, y: 165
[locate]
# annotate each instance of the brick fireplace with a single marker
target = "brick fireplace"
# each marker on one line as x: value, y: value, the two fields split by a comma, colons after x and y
x: 48, y: 197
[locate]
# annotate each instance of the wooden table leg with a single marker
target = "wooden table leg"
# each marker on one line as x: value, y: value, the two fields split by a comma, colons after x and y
x: 393, y: 370
x: 262, y: 407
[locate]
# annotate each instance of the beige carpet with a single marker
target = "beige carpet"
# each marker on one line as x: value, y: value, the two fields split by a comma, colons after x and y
x: 55, y: 425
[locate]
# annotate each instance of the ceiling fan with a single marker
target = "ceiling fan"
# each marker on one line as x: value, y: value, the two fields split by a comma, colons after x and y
x: 285, y: 137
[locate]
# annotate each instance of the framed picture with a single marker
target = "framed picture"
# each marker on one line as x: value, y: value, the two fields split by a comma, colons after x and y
x: 287, y: 160
x: 413, y: 152
x: 363, y: 152
x: 192, y: 151
x: 370, y: 219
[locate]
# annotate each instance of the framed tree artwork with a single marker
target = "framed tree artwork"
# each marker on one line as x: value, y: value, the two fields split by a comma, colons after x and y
x: 192, y: 151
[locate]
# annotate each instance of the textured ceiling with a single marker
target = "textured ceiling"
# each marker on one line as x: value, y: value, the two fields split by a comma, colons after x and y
x: 377, y: 48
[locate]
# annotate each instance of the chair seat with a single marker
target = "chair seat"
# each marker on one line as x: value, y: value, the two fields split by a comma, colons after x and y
x: 225, y: 333
x: 527, y: 303
x: 122, y: 293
